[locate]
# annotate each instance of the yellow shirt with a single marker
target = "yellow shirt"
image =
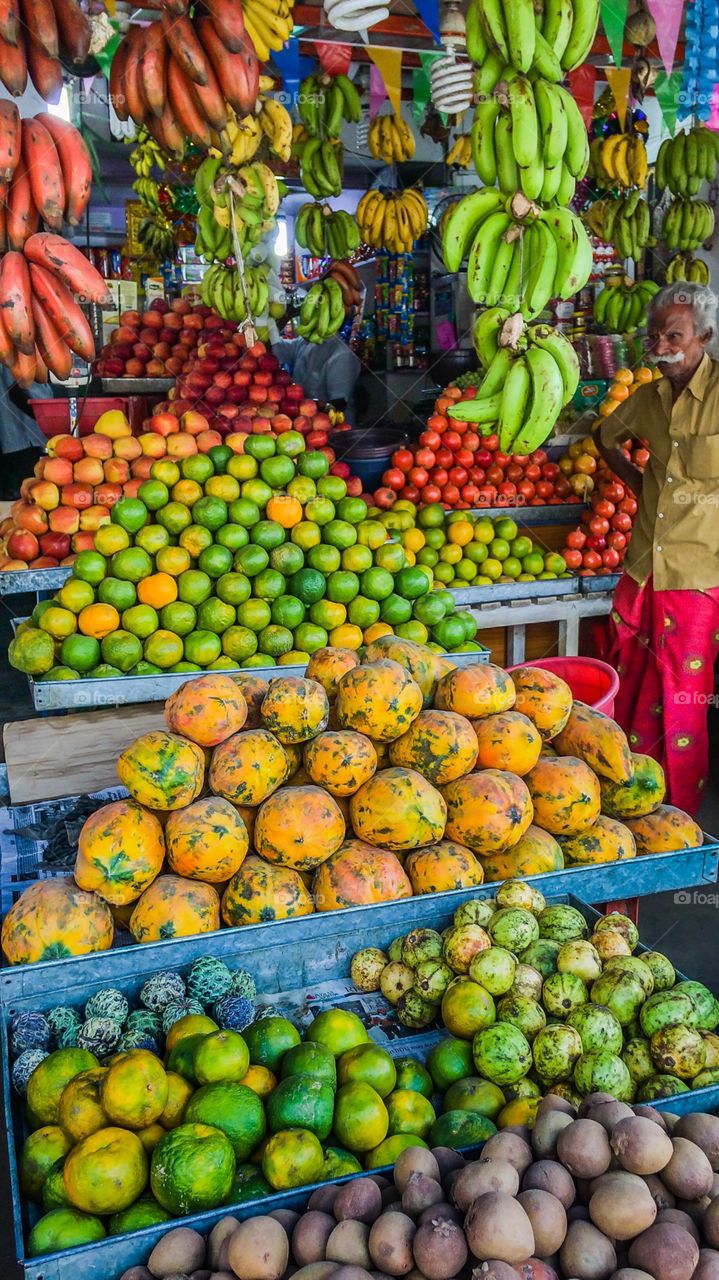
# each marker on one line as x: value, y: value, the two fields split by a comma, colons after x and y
x: 675, y: 536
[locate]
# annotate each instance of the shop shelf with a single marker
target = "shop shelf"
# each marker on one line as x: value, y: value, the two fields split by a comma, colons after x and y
x: 136, y: 386
x: 597, y: 585
x: 323, y: 958
x: 15, y: 581
x: 502, y: 592
x: 80, y: 695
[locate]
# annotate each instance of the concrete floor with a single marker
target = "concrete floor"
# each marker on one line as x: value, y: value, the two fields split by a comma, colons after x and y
x: 684, y: 931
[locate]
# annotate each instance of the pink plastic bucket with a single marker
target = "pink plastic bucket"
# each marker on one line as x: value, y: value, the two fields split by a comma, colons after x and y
x: 590, y: 680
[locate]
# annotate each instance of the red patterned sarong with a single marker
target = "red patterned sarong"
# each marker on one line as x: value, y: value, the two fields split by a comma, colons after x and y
x: 664, y: 645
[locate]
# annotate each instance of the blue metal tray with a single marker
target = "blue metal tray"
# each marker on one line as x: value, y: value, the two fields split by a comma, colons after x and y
x: 38, y: 983
x: 501, y: 592
x: 15, y: 581
x: 596, y: 585
x: 319, y: 958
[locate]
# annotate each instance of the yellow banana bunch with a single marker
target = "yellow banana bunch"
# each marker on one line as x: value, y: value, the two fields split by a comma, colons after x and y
x: 684, y: 266
x: 269, y: 25
x: 392, y: 222
x: 390, y: 139
x: 460, y: 153
x: 276, y: 123
x: 618, y: 161
x: 241, y: 137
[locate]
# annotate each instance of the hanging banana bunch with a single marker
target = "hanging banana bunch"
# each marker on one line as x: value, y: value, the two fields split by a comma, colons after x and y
x: 321, y: 167
x: 275, y: 121
x: 624, y: 223
x: 460, y: 153
x: 554, y: 37
x: 618, y: 161
x: 519, y: 256
x: 683, y: 266
x: 687, y: 160
x: 530, y: 373
x: 529, y: 137
x: 221, y: 289
x: 325, y: 101
x: 622, y: 307
x: 322, y: 312
x: 687, y: 224
x: 390, y: 139
x: 326, y: 233
x: 393, y: 221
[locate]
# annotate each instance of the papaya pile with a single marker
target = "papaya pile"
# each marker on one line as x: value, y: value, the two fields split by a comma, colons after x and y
x: 373, y: 778
x: 534, y: 1004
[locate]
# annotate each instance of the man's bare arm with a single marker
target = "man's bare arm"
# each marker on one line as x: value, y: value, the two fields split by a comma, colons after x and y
x: 628, y: 473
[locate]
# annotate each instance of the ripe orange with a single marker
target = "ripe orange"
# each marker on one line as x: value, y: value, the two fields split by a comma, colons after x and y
x: 98, y: 620
x: 158, y: 590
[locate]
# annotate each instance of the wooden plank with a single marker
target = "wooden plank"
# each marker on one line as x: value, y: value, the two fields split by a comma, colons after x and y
x: 74, y: 754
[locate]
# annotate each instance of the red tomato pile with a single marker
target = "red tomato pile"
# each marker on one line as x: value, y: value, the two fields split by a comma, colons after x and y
x: 598, y: 545
x: 454, y: 464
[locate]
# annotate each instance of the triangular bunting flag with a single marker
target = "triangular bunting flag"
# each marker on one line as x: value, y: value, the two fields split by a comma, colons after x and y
x: 428, y: 11
x: 389, y: 64
x: 377, y: 91
x: 581, y: 82
x: 614, y: 18
x: 618, y: 79
x: 667, y: 15
x: 667, y: 89
x: 420, y: 92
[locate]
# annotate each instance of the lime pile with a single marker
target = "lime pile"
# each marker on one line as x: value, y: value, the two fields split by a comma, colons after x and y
x: 465, y: 550
x: 228, y: 560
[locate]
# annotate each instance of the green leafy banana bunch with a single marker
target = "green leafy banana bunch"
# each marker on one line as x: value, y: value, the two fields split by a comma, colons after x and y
x: 220, y: 289
x: 146, y: 154
x: 549, y: 39
x: 325, y: 101
x: 683, y: 266
x: 624, y: 222
x: 687, y: 160
x: 321, y: 167
x: 519, y: 256
x: 148, y: 192
x: 618, y: 161
x: 157, y: 237
x: 326, y: 233
x: 322, y: 312
x: 531, y: 373
x: 529, y: 136
x: 687, y: 224
x: 622, y: 307
x: 253, y: 207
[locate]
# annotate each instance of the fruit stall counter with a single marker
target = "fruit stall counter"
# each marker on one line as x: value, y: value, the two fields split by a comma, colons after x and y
x: 325, y: 962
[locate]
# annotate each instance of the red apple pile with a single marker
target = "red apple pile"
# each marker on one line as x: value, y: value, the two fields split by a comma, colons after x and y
x: 159, y: 342
x: 598, y: 545
x: 454, y: 464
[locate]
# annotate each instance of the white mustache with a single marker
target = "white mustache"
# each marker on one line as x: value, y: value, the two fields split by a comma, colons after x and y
x: 675, y: 359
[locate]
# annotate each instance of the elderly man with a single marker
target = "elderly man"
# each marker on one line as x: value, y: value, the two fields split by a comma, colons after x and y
x: 665, y: 620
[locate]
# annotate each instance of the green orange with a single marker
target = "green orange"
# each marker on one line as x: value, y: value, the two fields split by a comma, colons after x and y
x: 75, y: 594
x: 412, y: 1075
x: 292, y: 1158
x: 301, y: 1102
x: 90, y: 567
x: 121, y: 649
x: 192, y: 1169
x: 202, y: 647
x: 215, y: 615
x: 410, y: 1112
x: 233, y: 588
x: 140, y: 620
x: 129, y: 513
x: 239, y: 643
x: 81, y: 653
x: 254, y: 614
x: 110, y: 538
x: 368, y: 1063
x: 173, y: 560
x: 194, y: 586
x: 163, y: 649
x: 233, y: 536
x: 221, y: 1055
x: 269, y: 1039
x: 195, y: 539
x: 131, y: 565
x: 178, y: 617
x: 152, y: 538
x: 361, y: 1120
x: 175, y: 517
x: 275, y: 640
x: 449, y: 1060
x: 337, y: 1029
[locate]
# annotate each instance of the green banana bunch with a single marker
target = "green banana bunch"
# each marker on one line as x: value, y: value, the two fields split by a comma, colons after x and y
x: 687, y: 224
x: 146, y: 154
x: 221, y: 289
x: 685, y: 267
x: 325, y: 101
x: 149, y: 192
x: 622, y: 307
x: 531, y: 372
x: 322, y: 312
x: 326, y: 233
x: 249, y: 215
x: 549, y: 39
x: 529, y: 136
x: 687, y: 160
x: 625, y: 223
x: 157, y: 238
x: 321, y: 167
x: 518, y: 255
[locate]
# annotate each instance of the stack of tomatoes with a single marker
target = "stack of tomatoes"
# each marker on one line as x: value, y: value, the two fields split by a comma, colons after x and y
x: 455, y: 465
x: 599, y: 544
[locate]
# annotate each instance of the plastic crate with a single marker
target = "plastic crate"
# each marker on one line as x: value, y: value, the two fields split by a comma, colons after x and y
x: 53, y: 416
